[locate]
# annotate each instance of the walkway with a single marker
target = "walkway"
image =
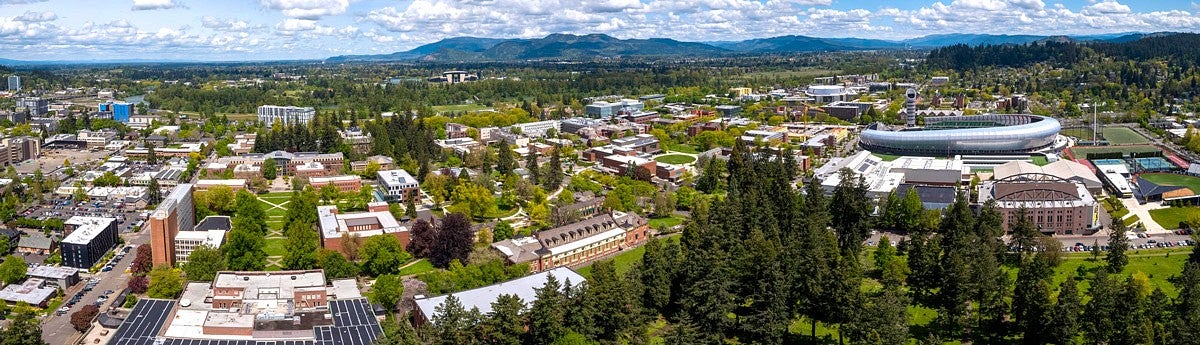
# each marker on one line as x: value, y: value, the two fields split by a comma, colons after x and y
x: 1143, y: 214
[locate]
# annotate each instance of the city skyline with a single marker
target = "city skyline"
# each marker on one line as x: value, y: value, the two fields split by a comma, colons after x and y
x: 313, y: 29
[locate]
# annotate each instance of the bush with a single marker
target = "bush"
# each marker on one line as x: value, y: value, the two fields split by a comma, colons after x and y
x: 82, y: 319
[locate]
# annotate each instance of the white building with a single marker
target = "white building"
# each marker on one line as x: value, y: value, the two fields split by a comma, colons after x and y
x: 14, y: 83
x: 397, y: 184
x: 829, y: 93
x: 535, y: 129
x: 268, y: 114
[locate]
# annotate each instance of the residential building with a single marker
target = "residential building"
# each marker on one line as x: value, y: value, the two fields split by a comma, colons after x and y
x: 88, y: 239
x: 209, y: 232
x: 358, y: 139
x: 288, y: 115
x: 176, y: 212
x: 577, y: 243
x: 344, y: 183
x: 36, y: 106
x: 63, y: 277
x: 1054, y: 205
x: 604, y: 110
x: 397, y: 185
x: 14, y: 83
x: 336, y: 228
x: 481, y: 299
x: 119, y: 111
x: 34, y: 292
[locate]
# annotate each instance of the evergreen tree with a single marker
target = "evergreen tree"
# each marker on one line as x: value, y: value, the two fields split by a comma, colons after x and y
x: 154, y: 192
x: 453, y: 324
x: 1065, y: 318
x: 884, y: 320
x: 616, y: 308
x: 505, y: 162
x: 546, y: 315
x: 503, y: 325
x: 657, y: 273
x: 531, y: 165
x: 1117, y: 245
x: 1031, y: 300
x: 852, y: 219
x: 554, y: 173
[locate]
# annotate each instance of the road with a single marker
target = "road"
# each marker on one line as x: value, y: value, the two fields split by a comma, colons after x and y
x: 1100, y: 238
x: 57, y: 329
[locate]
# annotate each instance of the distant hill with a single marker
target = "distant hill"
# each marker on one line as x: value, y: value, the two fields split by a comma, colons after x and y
x: 456, y: 48
x: 796, y: 44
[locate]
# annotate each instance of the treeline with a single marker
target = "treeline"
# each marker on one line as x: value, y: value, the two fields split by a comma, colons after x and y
x: 766, y: 258
x: 964, y: 57
x: 1178, y: 48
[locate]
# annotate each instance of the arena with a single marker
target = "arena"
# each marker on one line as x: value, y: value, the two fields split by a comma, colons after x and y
x: 995, y: 134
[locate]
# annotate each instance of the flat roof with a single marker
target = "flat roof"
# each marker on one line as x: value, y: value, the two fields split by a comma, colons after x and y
x: 87, y: 228
x: 482, y: 298
x: 283, y: 282
x: 334, y: 179
x: 31, y: 291
x: 333, y: 224
x: 395, y: 177
x: 52, y: 272
x: 354, y: 324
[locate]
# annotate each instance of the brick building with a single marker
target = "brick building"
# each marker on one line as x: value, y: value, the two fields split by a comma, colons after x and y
x: 337, y: 228
x: 577, y: 243
x: 345, y: 183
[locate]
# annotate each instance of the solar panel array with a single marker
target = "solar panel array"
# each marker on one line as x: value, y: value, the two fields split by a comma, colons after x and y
x: 353, y: 324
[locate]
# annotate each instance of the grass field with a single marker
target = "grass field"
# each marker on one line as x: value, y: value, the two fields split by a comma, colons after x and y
x: 1082, y: 133
x: 1039, y: 160
x: 624, y: 261
x: 1131, y: 220
x: 421, y: 266
x: 275, y: 246
x: 1123, y: 136
x: 655, y: 223
x: 685, y: 148
x: 1170, y: 218
x: 675, y: 159
x: 886, y: 157
x: 1081, y: 151
x: 459, y: 107
x: 1190, y: 182
x: 1158, y: 265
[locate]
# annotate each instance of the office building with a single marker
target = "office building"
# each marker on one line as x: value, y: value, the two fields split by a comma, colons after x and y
x: 35, y: 105
x: 377, y: 221
x: 176, y: 212
x: 481, y: 299
x: 397, y: 185
x: 14, y: 83
x: 576, y: 243
x: 535, y: 129
x: 88, y: 239
x: 288, y: 115
x: 604, y: 110
x: 15, y: 150
x: 210, y: 232
x: 34, y: 292
x: 288, y: 163
x: 95, y: 139
x: 344, y: 183
x: 64, y: 277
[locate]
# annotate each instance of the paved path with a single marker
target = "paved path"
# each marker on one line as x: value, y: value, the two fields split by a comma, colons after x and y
x: 1143, y: 214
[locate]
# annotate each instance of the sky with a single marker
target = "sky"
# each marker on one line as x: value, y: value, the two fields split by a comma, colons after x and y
x: 227, y: 30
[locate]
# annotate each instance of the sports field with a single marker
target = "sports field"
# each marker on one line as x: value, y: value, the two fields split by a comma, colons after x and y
x: 1191, y: 182
x: 1081, y: 151
x: 1081, y: 133
x: 1123, y: 136
x: 675, y: 159
x: 1169, y: 218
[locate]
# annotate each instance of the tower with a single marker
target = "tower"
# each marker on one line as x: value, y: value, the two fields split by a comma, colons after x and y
x: 910, y: 109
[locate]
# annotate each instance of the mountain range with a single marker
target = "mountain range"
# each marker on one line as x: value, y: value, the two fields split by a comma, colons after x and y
x: 586, y: 47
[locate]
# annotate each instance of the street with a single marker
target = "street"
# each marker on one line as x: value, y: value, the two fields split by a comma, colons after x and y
x: 1100, y: 238
x: 57, y: 329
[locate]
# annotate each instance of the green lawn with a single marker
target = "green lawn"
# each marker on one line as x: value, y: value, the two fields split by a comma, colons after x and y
x: 1157, y: 264
x: 675, y: 159
x: 1039, y: 160
x: 275, y: 211
x: 275, y: 246
x: 459, y: 107
x: 1191, y: 182
x: 885, y: 157
x: 1081, y: 133
x: 1131, y: 220
x: 1171, y: 217
x: 624, y: 261
x: 1123, y: 136
x: 421, y: 266
x: 667, y: 222
x: 1081, y: 151
x: 685, y: 148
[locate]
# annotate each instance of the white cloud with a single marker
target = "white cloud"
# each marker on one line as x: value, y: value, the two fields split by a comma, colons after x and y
x: 33, y: 17
x: 18, y: 2
x: 308, y: 9
x: 230, y: 25
x: 142, y: 5
x: 1107, y: 7
x: 1028, y: 4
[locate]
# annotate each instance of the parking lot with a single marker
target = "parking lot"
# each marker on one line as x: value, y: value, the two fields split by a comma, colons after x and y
x: 53, y: 159
x: 128, y: 216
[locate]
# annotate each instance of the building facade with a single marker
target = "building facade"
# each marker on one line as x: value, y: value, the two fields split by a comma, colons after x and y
x: 288, y: 115
x: 344, y: 183
x: 1054, y: 205
x: 337, y: 228
x: 398, y: 185
x: 577, y: 243
x: 176, y: 212
x: 35, y: 105
x: 88, y: 239
x: 14, y: 83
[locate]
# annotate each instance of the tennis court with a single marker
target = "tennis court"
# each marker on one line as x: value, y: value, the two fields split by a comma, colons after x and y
x: 1080, y: 152
x: 1108, y: 162
x: 1156, y: 164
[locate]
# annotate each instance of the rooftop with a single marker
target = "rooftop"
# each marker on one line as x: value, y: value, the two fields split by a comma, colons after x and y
x: 269, y: 284
x: 482, y: 298
x: 33, y: 291
x: 52, y: 272
x: 396, y: 177
x: 87, y: 228
x: 333, y: 224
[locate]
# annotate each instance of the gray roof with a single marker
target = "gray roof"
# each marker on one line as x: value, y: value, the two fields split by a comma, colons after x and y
x: 215, y: 223
x: 37, y: 241
x: 482, y: 298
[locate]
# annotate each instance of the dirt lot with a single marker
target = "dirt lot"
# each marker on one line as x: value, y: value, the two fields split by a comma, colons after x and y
x: 53, y: 159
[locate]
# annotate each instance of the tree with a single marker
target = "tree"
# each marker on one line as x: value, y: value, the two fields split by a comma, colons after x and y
x: 12, y: 269
x: 616, y: 307
x: 884, y: 320
x: 664, y: 204
x: 410, y: 207
x: 335, y: 265
x: 302, y: 244
x: 143, y: 260
x: 82, y: 319
x: 554, y: 174
x: 203, y: 264
x: 244, y: 250
x: 165, y: 282
x: 108, y: 179
x: 1117, y: 245
x: 505, y: 161
x: 387, y: 291
x: 1064, y: 321
x: 546, y: 315
x: 531, y: 165
x: 657, y: 274
x: 452, y: 323
x: 454, y: 241
x: 504, y: 324
x: 249, y: 215
x: 383, y: 255
x: 423, y: 238
x: 502, y: 231
x: 154, y: 192
x: 474, y: 200
x: 151, y: 156
x: 269, y: 169
x: 138, y: 284
x: 23, y: 329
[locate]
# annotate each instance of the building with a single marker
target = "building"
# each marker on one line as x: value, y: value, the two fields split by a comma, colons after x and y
x: 96, y: 139
x: 35, y: 243
x: 729, y: 110
x: 397, y: 185
x: 14, y: 83
x: 358, y: 139
x: 288, y: 115
x: 456, y: 130
x: 932, y: 197
x: 205, y: 185
x: 119, y: 111
x: 142, y: 121
x: 972, y: 135
x: 535, y: 129
x: 88, y: 239
x: 604, y: 110
x: 209, y: 232
x: 1063, y: 169
x: 384, y: 163
x: 620, y: 164
x: 15, y: 150
x: 11, y: 238
x: 63, y: 277
x: 939, y: 81
x: 1054, y: 205
x: 176, y: 212
x: 288, y: 163
x: 36, y: 106
x: 577, y: 243
x: 524, y: 288
x: 454, y: 77
x: 575, y: 124
x: 34, y: 292
x: 829, y: 93
x: 883, y: 177
x: 344, y: 183
x: 339, y: 227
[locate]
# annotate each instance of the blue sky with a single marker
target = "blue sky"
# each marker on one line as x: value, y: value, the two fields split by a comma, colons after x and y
x: 307, y: 29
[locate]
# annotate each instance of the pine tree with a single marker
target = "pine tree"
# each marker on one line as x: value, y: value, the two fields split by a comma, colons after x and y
x: 1031, y: 299
x: 503, y: 325
x: 546, y: 315
x: 531, y: 166
x: 505, y: 162
x: 657, y: 273
x: 1064, y: 319
x: 1117, y: 245
x: 554, y: 173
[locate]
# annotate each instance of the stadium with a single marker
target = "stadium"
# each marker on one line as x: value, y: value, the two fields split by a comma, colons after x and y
x: 995, y: 134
